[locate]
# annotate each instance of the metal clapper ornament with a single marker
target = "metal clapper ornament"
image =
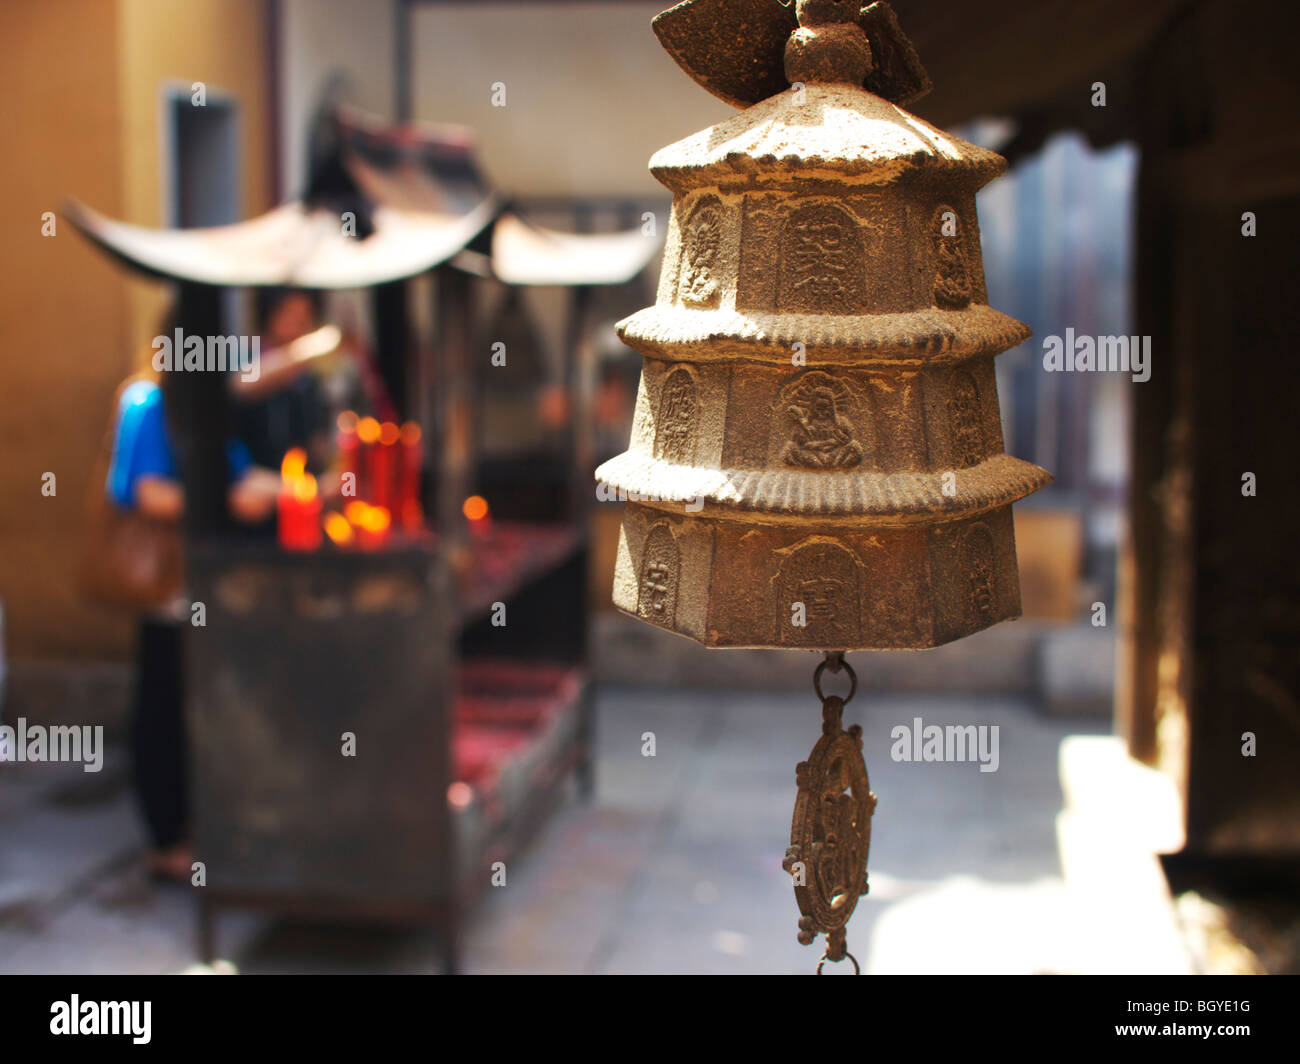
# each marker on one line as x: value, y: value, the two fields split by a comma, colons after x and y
x: 816, y: 457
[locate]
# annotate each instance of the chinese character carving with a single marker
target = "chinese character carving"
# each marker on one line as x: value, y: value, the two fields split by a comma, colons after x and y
x: 660, y: 564
x: 818, y: 584
x: 823, y: 269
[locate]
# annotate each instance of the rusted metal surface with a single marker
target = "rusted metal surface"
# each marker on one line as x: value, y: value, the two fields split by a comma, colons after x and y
x: 816, y: 456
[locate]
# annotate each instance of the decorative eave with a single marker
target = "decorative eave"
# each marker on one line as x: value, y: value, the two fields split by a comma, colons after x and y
x: 838, y: 133
x: 294, y: 244
x: 418, y: 200
x: 919, y: 337
x: 856, y: 498
x: 524, y: 253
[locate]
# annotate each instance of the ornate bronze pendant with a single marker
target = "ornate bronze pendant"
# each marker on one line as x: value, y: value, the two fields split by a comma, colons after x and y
x: 830, y: 834
x: 816, y: 457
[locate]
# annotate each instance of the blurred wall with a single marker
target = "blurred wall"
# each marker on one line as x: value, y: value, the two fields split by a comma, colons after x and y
x: 168, y: 46
x: 324, y: 40
x: 590, y: 93
x: 82, y: 82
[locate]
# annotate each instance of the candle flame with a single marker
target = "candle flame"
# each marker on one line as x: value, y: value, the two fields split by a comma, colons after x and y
x: 368, y: 430
x: 475, y: 508
x: 338, y: 529
x: 355, y: 511
x: 294, y: 465
x: 388, y: 433
x: 347, y: 421
x: 304, y: 488
x: 410, y: 433
x: 376, y: 519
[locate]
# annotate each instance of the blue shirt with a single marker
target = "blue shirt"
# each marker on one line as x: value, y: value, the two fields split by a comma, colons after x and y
x: 142, y: 444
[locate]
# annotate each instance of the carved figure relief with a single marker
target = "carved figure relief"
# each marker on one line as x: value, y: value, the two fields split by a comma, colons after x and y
x: 952, y: 287
x: 824, y: 579
x: 978, y: 564
x: 661, y: 564
x: 822, y: 434
x: 964, y: 420
x: 675, y: 425
x: 701, y: 241
x: 823, y: 269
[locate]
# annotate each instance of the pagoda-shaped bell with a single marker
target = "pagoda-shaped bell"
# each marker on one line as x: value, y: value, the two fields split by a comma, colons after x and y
x: 816, y: 457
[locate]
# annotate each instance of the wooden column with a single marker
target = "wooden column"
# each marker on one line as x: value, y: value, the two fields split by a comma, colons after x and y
x: 1215, y: 581
x: 201, y: 419
x: 453, y: 329
x: 580, y: 343
x: 392, y: 341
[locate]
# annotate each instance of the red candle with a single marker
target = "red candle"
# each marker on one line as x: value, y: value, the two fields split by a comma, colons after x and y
x: 349, y: 453
x: 381, y: 471
x: 368, y: 437
x: 373, y: 529
x: 408, y: 494
x: 299, y: 513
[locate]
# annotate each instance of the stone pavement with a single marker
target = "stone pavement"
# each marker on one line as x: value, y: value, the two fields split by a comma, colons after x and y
x: 675, y: 866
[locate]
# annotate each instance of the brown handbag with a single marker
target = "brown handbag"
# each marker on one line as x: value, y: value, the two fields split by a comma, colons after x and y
x: 128, y: 559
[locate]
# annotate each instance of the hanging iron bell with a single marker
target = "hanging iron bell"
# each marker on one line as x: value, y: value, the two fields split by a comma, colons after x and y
x: 816, y: 457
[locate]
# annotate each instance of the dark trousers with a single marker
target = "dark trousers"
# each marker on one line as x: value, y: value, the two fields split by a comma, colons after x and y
x: 158, y: 733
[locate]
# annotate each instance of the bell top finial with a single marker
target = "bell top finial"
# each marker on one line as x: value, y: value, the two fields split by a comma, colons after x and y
x: 828, y: 45
x: 814, y: 13
x: 745, y: 51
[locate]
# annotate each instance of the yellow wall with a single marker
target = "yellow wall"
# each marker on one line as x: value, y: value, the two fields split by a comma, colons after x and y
x: 81, y: 81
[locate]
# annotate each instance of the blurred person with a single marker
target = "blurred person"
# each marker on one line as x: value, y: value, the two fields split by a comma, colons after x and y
x: 283, y: 407
x: 144, y: 478
x: 309, y: 372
